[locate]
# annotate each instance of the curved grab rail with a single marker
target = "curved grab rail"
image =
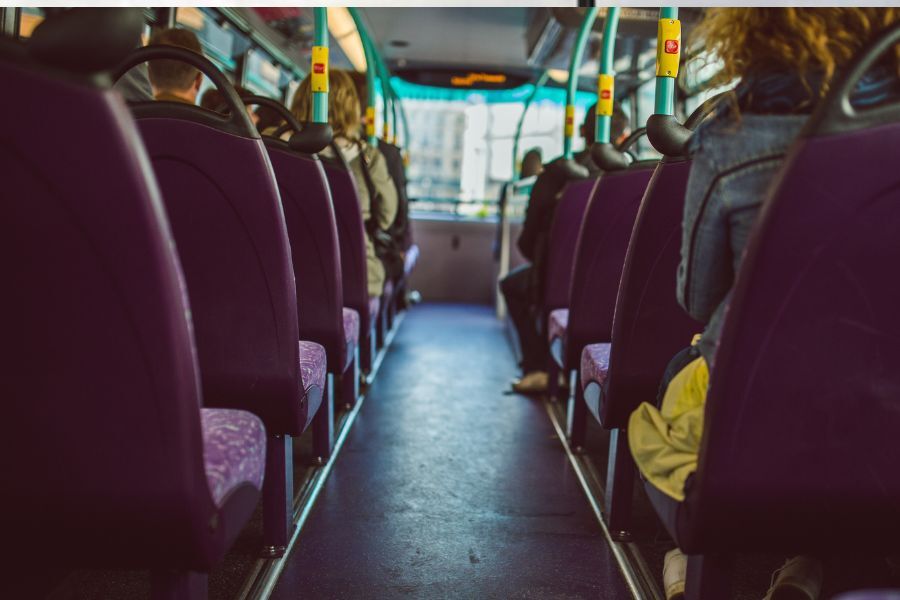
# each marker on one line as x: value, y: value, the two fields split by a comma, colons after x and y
x: 237, y: 117
x: 308, y: 138
x: 835, y: 113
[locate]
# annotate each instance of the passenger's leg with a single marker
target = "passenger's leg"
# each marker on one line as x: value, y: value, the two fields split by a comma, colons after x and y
x: 516, y: 291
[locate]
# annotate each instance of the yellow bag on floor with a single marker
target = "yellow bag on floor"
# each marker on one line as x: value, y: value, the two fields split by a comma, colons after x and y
x: 665, y: 442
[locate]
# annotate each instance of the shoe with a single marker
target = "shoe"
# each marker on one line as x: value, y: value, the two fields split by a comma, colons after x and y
x: 534, y: 382
x: 799, y: 579
x: 674, y: 574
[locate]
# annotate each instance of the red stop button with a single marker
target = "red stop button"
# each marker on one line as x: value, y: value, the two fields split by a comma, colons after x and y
x: 671, y: 46
x: 605, y: 95
x: 319, y: 68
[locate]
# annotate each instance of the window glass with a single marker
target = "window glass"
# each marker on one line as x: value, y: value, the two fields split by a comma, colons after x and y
x: 697, y: 74
x: 646, y: 100
x: 461, y: 142
x: 261, y: 75
x: 29, y: 18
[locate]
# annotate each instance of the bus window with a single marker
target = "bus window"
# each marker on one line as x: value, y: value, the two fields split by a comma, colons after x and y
x: 28, y: 20
x: 261, y: 75
x: 697, y: 74
x: 646, y: 94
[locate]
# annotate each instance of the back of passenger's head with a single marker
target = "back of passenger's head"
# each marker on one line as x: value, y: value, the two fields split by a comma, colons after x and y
x: 619, y: 127
x: 589, y: 126
x: 174, y: 76
x: 343, y: 104
x: 532, y: 163
x: 362, y: 89
x: 805, y: 41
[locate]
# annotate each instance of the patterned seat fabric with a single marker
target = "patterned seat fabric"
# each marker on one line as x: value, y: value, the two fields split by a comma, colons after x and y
x: 409, y: 261
x: 558, y: 323
x: 234, y: 450
x: 594, y: 364
x: 312, y: 365
x: 374, y: 305
x: 351, y: 328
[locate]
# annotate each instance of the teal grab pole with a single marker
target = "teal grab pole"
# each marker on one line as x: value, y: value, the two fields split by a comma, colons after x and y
x: 320, y: 99
x: 665, y: 86
x: 395, y: 101
x: 371, y: 70
x: 577, y: 55
x: 537, y: 88
x: 607, y: 56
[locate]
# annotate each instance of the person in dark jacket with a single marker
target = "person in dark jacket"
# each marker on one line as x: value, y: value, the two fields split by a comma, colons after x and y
x: 520, y: 285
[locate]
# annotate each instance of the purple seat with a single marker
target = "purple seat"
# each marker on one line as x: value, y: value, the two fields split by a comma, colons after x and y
x: 799, y: 448
x: 599, y: 256
x: 374, y: 305
x: 351, y: 326
x: 112, y: 463
x: 316, y: 258
x: 351, y: 236
x: 240, y: 279
x: 594, y: 369
x: 556, y: 325
x: 561, y: 248
x: 649, y: 328
x: 234, y: 451
x: 313, y: 364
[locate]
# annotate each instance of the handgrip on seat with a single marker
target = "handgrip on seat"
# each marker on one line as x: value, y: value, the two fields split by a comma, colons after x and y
x: 308, y: 138
x: 237, y: 116
x: 667, y: 135
x: 609, y: 158
x: 835, y: 113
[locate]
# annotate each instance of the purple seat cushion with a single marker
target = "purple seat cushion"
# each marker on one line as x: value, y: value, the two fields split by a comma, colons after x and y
x: 594, y: 364
x: 312, y: 365
x: 374, y: 305
x: 409, y: 262
x: 234, y: 450
x: 557, y: 324
x: 351, y: 329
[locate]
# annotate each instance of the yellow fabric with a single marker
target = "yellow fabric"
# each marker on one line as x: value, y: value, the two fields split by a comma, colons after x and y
x: 665, y: 442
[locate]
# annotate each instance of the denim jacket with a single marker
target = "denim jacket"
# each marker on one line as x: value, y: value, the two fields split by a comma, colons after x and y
x: 734, y: 162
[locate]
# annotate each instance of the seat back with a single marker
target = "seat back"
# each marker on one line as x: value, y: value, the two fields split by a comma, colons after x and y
x: 802, y: 416
x: 102, y: 442
x: 649, y: 326
x: 315, y: 252
x: 600, y: 255
x: 352, y: 238
x: 567, y: 220
x: 223, y: 203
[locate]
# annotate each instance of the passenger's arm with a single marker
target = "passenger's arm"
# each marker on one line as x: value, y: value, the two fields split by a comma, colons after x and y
x: 384, y: 184
x: 538, y: 212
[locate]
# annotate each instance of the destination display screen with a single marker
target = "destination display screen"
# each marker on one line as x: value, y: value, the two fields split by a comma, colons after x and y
x: 473, y: 79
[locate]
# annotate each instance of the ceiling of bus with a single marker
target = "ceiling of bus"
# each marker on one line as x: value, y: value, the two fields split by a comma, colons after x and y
x: 457, y: 36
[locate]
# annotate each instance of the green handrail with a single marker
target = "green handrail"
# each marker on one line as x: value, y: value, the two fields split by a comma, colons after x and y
x: 577, y: 55
x: 319, y: 68
x: 537, y: 88
x: 606, y: 78
x: 371, y: 71
x: 395, y: 99
x: 665, y: 77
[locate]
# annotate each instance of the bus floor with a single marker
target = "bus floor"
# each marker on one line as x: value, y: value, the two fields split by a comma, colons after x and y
x: 446, y: 487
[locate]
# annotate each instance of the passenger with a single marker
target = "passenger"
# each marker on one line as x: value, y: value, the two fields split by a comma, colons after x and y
x: 736, y: 154
x: 174, y: 80
x: 213, y: 100
x: 400, y: 230
x: 521, y: 286
x: 532, y: 163
x: 344, y: 118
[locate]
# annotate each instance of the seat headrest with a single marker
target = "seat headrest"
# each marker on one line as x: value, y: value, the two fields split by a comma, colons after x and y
x: 87, y: 40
